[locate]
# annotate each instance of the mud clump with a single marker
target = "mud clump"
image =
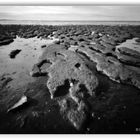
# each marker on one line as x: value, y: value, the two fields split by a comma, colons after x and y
x: 68, y: 73
x: 65, y: 69
x: 128, y: 56
x: 129, y: 52
x: 43, y: 46
x: 13, y: 53
x: 111, y: 67
x: 75, y: 114
x: 21, y: 102
x: 128, y: 60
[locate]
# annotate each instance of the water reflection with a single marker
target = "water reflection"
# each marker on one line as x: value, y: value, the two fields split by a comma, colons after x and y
x: 19, y: 67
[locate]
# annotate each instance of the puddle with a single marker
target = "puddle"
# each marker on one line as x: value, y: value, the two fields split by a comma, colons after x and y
x: 131, y: 44
x: 20, y: 67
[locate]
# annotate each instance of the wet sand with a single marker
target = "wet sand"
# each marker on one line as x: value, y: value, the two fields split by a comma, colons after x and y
x: 112, y: 108
x: 19, y: 68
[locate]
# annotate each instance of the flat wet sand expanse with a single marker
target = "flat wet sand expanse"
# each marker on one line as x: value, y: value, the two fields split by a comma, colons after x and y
x: 69, y: 79
x: 19, y: 67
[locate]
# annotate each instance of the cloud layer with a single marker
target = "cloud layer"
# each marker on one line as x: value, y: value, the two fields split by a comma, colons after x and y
x: 70, y: 13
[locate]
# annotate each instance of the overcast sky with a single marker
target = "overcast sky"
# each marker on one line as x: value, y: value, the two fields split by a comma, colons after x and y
x: 123, y: 13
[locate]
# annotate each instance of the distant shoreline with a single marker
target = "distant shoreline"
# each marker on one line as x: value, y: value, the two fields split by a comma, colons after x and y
x: 44, y: 22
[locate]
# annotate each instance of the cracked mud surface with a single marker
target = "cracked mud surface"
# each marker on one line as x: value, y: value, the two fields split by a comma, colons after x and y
x: 70, y: 79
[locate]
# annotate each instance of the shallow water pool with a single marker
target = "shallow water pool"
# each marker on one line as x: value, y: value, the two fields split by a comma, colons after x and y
x: 19, y: 67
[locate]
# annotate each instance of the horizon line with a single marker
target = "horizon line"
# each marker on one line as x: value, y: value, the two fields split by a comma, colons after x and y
x: 72, y: 20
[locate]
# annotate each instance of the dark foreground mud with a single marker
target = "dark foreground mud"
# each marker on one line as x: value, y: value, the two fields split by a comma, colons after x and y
x: 87, y: 80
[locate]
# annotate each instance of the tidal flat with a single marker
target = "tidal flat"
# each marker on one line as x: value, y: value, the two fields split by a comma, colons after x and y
x: 69, y: 79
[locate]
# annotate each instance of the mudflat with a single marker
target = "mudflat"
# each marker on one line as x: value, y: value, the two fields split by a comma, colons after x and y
x: 70, y: 79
